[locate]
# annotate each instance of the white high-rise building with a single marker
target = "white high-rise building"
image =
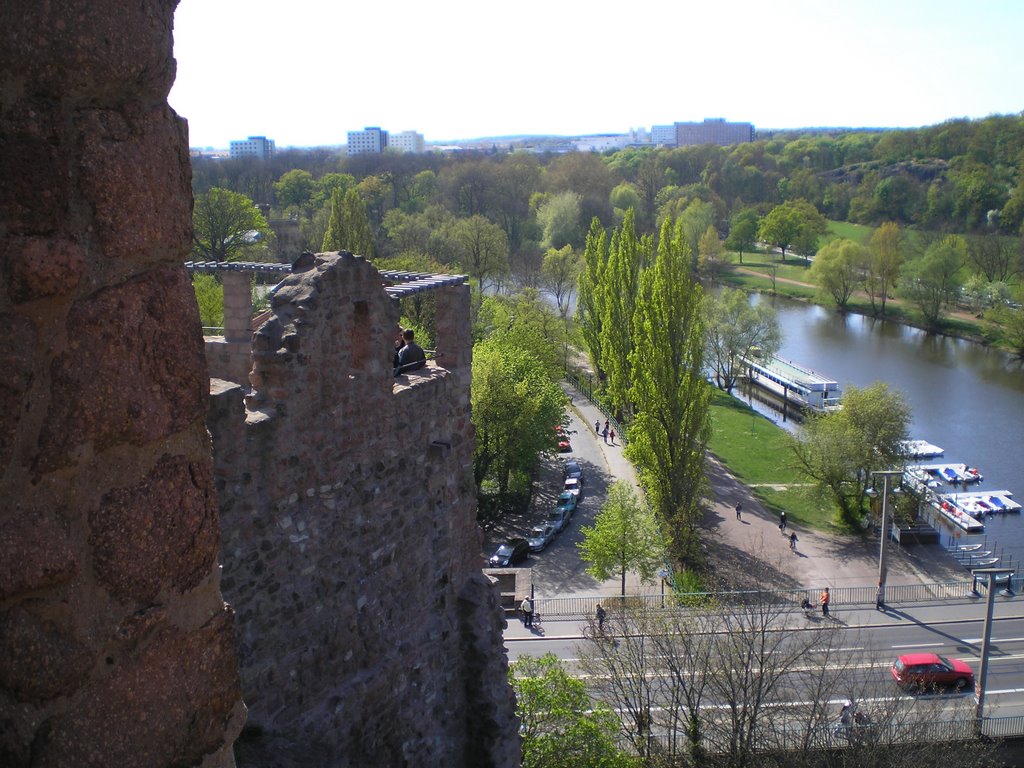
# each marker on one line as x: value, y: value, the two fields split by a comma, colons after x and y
x: 254, y: 146
x: 663, y: 135
x: 407, y: 141
x: 367, y: 141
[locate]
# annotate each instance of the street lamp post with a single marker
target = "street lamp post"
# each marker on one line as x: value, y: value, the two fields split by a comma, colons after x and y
x: 979, y: 711
x: 883, y: 547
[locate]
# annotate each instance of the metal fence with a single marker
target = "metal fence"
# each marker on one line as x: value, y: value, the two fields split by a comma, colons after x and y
x: 797, y: 739
x: 570, y: 607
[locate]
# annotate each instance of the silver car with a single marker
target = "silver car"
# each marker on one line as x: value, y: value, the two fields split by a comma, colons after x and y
x: 540, y: 536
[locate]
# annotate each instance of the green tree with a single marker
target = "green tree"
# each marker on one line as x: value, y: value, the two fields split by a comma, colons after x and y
x: 627, y: 256
x: 625, y: 196
x: 933, y: 280
x: 742, y: 231
x: 735, y: 332
x: 624, y: 538
x: 559, y: 275
x: 326, y: 186
x: 795, y: 222
x: 838, y: 450
x: 515, y: 404
x: 349, y: 227
x: 226, y: 226
x: 709, y: 254
x: 210, y: 298
x: 561, y: 726
x: 887, y: 249
x: 838, y: 267
x: 559, y: 219
x: 294, y: 190
x: 481, y: 249
x: 669, y: 434
x: 590, y: 305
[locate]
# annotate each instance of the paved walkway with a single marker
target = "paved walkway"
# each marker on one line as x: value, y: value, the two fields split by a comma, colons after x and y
x: 820, y: 560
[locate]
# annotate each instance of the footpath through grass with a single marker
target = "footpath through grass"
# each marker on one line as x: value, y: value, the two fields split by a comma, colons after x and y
x: 757, y: 452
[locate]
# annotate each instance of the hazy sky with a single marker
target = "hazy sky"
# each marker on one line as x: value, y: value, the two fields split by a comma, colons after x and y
x: 304, y: 72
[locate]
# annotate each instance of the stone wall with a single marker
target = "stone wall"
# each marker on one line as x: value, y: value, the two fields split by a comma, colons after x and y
x: 116, y: 648
x: 368, y: 634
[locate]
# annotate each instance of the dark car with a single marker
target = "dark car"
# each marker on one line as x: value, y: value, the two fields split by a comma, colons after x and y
x: 574, y: 470
x: 511, y: 552
x: 929, y: 670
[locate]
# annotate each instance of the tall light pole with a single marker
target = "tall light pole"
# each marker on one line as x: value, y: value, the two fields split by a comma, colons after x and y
x: 979, y: 711
x: 883, y: 547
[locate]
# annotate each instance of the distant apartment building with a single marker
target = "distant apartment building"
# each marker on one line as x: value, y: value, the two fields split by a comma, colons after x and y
x: 367, y: 141
x: 406, y: 141
x: 254, y: 146
x: 714, y: 130
x: 663, y: 135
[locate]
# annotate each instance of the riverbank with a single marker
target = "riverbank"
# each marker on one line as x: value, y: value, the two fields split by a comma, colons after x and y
x: 957, y: 324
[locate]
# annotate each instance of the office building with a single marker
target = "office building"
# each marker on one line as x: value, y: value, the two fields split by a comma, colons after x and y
x: 367, y: 141
x: 714, y: 130
x: 407, y: 141
x: 254, y: 146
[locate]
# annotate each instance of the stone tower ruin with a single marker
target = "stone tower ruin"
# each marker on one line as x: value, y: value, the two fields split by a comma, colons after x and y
x: 368, y: 633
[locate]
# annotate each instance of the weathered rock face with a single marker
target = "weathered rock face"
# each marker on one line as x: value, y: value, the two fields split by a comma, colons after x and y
x: 116, y: 648
x: 368, y: 633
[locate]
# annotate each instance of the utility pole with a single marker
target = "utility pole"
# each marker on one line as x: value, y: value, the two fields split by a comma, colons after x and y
x: 883, y: 547
x: 980, y: 684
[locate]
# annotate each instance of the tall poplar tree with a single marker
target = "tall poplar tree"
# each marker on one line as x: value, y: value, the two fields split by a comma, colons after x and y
x: 669, y: 433
x: 626, y: 257
x: 590, y: 302
x: 349, y: 226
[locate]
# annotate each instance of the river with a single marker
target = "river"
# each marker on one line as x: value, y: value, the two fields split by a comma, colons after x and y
x: 964, y: 397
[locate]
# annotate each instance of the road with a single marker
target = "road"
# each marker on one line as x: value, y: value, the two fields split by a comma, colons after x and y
x: 950, y: 628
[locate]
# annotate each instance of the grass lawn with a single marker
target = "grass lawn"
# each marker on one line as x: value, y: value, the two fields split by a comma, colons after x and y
x: 757, y: 452
x: 859, y: 233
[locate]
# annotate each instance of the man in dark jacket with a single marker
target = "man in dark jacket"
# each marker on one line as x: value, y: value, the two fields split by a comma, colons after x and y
x: 410, y: 357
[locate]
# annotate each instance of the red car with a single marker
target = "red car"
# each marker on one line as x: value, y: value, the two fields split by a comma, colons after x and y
x: 929, y: 670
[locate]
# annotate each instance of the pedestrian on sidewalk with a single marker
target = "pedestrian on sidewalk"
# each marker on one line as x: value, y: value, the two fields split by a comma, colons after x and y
x: 527, y: 608
x: 613, y: 437
x: 782, y: 521
x: 825, y: 597
x: 597, y: 427
x: 739, y: 510
x: 792, y: 541
x: 606, y: 432
x: 602, y: 614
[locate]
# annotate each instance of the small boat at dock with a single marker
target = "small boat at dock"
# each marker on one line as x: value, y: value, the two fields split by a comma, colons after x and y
x: 981, y: 503
x: 953, y: 474
x: 920, y: 449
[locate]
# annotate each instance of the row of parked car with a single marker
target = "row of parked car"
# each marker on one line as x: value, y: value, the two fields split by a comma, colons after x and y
x: 515, y: 551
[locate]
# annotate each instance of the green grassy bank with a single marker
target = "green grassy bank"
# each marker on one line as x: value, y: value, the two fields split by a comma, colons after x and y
x: 757, y: 452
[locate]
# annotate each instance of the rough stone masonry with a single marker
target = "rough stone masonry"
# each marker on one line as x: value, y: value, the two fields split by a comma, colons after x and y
x: 368, y: 633
x: 116, y: 648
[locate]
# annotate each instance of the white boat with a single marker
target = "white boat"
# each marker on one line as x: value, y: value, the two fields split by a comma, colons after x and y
x: 920, y: 449
x: 968, y: 548
x: 985, y: 562
x: 981, y: 503
x: 795, y: 382
x: 954, y: 474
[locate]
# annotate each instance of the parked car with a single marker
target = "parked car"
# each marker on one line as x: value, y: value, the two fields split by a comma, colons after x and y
x: 574, y: 470
x: 511, y: 552
x: 540, y: 536
x: 573, y: 486
x: 558, y: 519
x: 567, y: 501
x: 930, y: 670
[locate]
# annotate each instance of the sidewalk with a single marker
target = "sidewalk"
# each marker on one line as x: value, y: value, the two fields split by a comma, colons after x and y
x: 821, y: 559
